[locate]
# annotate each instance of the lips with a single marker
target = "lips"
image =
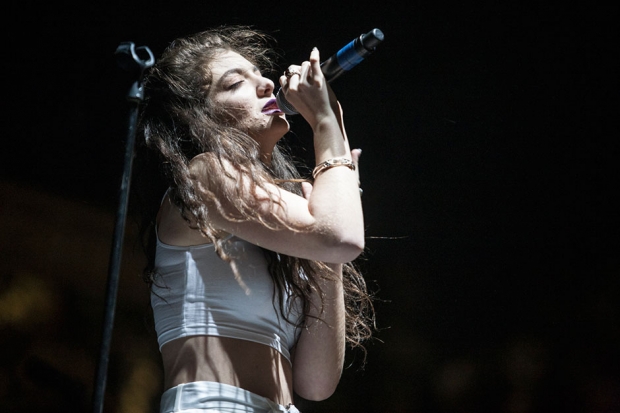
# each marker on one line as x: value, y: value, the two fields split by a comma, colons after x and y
x: 271, y: 108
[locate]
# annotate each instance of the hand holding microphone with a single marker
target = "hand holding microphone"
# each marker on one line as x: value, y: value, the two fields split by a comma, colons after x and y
x: 306, y: 89
x: 345, y: 59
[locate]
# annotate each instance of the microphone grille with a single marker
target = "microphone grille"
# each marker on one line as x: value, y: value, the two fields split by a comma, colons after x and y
x: 284, y: 105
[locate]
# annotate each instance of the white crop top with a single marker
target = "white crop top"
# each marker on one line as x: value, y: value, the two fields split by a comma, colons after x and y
x: 197, y: 293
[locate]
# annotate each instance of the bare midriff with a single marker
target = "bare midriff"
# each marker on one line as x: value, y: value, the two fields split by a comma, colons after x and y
x: 255, y: 367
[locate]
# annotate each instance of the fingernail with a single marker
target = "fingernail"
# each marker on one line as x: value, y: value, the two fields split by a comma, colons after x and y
x: 314, y: 48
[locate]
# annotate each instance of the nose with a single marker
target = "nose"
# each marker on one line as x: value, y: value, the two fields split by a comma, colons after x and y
x: 265, y: 86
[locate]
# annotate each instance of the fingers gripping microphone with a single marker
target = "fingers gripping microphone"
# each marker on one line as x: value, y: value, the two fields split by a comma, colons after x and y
x: 346, y: 58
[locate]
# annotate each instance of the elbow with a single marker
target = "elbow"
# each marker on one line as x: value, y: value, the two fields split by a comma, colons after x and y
x: 347, y: 247
x: 339, y: 252
x: 315, y: 379
x: 352, y: 252
x: 338, y: 244
x: 317, y: 397
x: 317, y: 393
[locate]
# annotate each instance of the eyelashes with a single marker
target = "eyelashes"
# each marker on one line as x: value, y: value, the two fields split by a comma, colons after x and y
x: 235, y: 85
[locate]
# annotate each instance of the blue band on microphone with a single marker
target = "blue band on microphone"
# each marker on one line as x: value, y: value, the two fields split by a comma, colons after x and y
x: 348, y: 57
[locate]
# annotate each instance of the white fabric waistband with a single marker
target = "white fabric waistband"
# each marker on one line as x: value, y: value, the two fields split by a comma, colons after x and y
x: 201, y: 396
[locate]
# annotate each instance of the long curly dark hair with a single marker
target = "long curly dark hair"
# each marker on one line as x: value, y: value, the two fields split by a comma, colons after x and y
x: 178, y: 121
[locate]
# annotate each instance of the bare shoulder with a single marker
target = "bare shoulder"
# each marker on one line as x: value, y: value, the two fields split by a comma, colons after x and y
x: 212, y: 171
x: 201, y: 164
x: 205, y: 158
x: 173, y: 229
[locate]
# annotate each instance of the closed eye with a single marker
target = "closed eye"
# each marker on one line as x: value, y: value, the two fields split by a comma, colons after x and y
x: 235, y: 85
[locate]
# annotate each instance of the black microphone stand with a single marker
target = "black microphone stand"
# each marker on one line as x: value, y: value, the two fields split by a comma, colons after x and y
x: 127, y: 59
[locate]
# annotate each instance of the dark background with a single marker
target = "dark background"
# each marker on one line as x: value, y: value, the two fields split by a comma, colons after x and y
x: 489, y: 175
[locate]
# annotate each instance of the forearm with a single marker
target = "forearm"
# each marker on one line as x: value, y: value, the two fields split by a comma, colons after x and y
x: 335, y: 198
x: 330, y: 137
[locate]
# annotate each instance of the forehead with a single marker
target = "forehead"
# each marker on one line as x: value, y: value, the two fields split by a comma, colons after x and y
x: 227, y: 60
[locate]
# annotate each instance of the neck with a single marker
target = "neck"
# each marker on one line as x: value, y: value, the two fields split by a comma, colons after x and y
x: 266, y: 158
x: 266, y: 152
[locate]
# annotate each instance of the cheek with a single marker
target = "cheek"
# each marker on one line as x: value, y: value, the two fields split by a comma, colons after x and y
x: 235, y: 112
x: 251, y: 123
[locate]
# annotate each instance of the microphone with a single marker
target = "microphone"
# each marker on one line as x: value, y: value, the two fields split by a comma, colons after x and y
x: 344, y: 60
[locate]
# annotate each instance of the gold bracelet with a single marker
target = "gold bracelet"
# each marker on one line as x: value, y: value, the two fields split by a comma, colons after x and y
x: 330, y: 163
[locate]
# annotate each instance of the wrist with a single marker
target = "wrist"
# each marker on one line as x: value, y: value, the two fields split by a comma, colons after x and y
x: 332, y: 163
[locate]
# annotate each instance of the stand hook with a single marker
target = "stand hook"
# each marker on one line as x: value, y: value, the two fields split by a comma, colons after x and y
x: 128, y: 58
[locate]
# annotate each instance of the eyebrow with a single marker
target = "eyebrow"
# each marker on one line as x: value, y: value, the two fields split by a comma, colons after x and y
x: 236, y: 70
